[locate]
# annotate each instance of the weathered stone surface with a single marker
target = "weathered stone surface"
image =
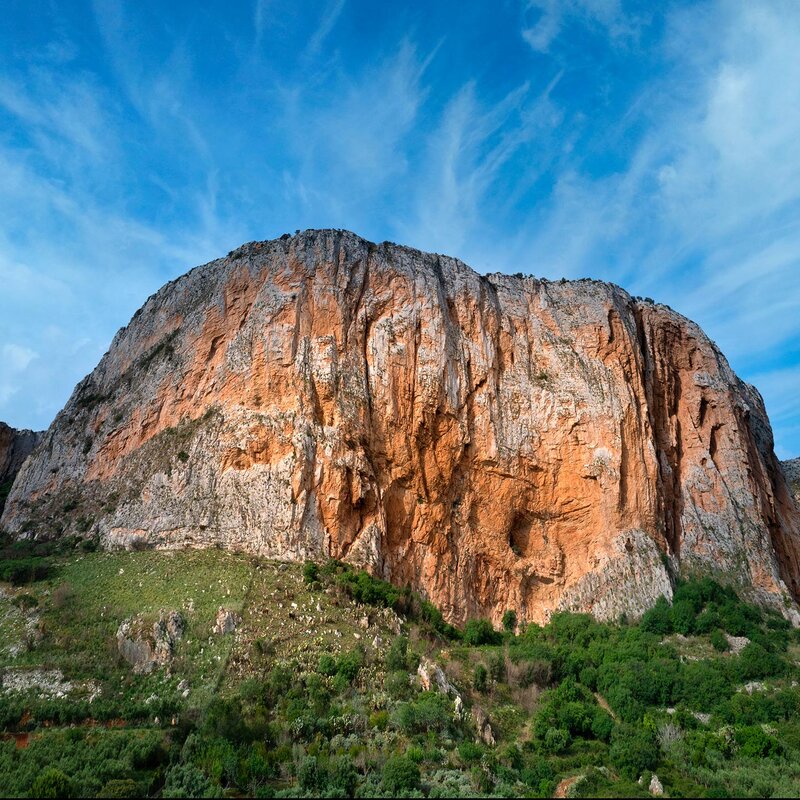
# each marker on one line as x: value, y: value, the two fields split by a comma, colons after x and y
x: 226, y: 622
x: 147, y: 649
x: 483, y: 726
x: 792, y: 471
x: 497, y: 442
x: 656, y: 788
x: 15, y: 447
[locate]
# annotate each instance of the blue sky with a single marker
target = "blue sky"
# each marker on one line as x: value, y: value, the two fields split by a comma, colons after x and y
x: 656, y: 145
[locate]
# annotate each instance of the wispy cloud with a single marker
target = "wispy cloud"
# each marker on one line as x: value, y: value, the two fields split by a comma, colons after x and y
x: 656, y: 149
x: 326, y: 22
x: 546, y: 20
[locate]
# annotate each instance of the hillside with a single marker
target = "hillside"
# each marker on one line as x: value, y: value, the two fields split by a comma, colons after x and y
x: 498, y: 442
x: 198, y: 673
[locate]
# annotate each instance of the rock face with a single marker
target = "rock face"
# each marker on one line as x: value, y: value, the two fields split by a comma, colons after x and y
x: 145, y: 649
x: 792, y: 471
x: 15, y: 447
x: 497, y: 442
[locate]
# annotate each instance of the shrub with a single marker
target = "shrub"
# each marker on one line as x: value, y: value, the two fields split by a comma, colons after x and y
x: 310, y: 572
x: 510, y: 621
x: 497, y: 667
x: 342, y: 778
x: 755, y: 662
x: 480, y: 631
x: 52, y: 782
x: 658, y: 619
x: 309, y: 775
x: 480, y: 678
x: 185, y: 780
x: 348, y: 665
x: 125, y: 787
x: 556, y: 740
x: 399, y: 657
x: 469, y: 751
x: 62, y: 595
x: 19, y: 571
x: 400, y: 775
x: 754, y: 743
x: 718, y: 640
x: 682, y: 616
x: 430, y: 711
x: 327, y: 665
x: 633, y: 750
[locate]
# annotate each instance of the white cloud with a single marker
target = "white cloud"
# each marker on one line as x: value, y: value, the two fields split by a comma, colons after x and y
x: 544, y: 20
x: 326, y: 23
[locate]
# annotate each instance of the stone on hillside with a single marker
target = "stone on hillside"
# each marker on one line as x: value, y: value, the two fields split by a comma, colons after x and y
x: 483, y: 726
x: 655, y: 788
x: 226, y: 622
x: 145, y: 650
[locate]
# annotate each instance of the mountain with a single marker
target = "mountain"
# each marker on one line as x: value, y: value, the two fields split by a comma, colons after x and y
x: 498, y: 442
x: 15, y: 447
x: 792, y: 471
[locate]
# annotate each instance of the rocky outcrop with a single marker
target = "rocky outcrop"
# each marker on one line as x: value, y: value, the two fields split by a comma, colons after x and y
x: 792, y: 471
x: 497, y: 442
x: 15, y: 447
x: 147, y: 647
x: 225, y: 622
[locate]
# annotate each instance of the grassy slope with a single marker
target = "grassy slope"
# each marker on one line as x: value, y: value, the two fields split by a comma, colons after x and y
x: 265, y: 713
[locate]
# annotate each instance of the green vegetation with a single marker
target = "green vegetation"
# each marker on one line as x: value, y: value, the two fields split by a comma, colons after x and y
x: 316, y: 693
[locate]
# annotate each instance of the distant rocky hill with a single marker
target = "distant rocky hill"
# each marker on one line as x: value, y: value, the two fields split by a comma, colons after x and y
x: 497, y: 442
x: 15, y: 447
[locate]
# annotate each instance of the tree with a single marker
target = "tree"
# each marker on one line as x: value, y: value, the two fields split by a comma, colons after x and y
x: 633, y: 750
x: 480, y: 631
x: 510, y: 620
x: 658, y: 619
x: 400, y: 775
x: 51, y: 782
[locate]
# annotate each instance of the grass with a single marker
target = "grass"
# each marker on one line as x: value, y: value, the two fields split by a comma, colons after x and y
x: 104, y: 589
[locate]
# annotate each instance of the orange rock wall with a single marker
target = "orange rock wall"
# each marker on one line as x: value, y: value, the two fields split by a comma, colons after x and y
x: 495, y: 442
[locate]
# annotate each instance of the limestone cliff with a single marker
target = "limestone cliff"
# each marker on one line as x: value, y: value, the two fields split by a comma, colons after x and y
x: 497, y: 442
x: 792, y: 471
x: 15, y: 447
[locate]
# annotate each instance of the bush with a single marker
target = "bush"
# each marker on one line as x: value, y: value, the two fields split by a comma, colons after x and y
x: 480, y: 678
x: 682, y: 616
x: 185, y: 780
x: 510, y: 621
x: 327, y: 665
x: 19, y: 571
x: 399, y: 657
x: 430, y: 711
x: 755, y: 662
x: 342, y: 778
x: 310, y: 572
x: 400, y: 775
x: 62, y: 595
x: 556, y: 740
x: 125, y: 787
x: 658, y: 619
x: 52, y: 782
x: 480, y: 631
x: 719, y: 641
x: 633, y: 750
